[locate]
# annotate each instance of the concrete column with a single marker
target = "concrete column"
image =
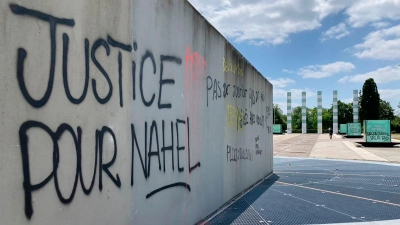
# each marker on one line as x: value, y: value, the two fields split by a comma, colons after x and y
x: 303, y: 113
x: 355, y: 106
x: 289, y: 112
x: 319, y: 112
x: 335, y: 112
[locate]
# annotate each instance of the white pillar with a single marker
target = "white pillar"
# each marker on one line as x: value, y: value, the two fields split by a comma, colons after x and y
x: 335, y: 112
x: 319, y: 112
x: 289, y: 112
x: 303, y: 113
x: 355, y: 106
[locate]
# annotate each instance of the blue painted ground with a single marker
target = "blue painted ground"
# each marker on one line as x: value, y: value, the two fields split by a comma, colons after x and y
x: 312, y: 191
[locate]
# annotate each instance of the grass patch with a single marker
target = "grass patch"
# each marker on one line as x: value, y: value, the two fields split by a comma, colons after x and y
x: 396, y: 136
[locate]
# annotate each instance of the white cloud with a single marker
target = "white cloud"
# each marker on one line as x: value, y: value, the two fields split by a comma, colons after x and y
x: 320, y: 71
x: 281, y: 82
x: 279, y: 93
x: 367, y: 11
x: 283, y: 106
x: 382, y: 75
x: 296, y: 93
x: 389, y: 94
x: 380, y: 44
x: 378, y: 25
x: 261, y: 22
x: 335, y: 32
x: 288, y: 71
x: 347, y: 100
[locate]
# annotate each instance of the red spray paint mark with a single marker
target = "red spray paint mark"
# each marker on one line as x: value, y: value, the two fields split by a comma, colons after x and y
x: 195, y: 69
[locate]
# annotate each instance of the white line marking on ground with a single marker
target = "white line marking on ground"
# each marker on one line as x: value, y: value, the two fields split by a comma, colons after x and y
x: 322, y: 206
x: 338, y: 193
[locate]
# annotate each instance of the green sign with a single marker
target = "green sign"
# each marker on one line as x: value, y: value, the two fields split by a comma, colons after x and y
x: 354, y: 129
x: 277, y: 129
x: 343, y: 128
x: 377, y: 131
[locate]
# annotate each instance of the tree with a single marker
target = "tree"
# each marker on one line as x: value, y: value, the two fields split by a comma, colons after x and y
x: 398, y: 110
x: 396, y: 121
x: 395, y: 124
x: 386, y: 112
x: 312, y: 120
x: 327, y: 118
x: 279, y: 118
x: 345, y: 112
x: 296, y: 119
x: 284, y: 123
x: 369, y: 101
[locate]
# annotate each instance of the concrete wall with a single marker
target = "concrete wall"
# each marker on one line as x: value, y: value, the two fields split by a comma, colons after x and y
x: 124, y: 112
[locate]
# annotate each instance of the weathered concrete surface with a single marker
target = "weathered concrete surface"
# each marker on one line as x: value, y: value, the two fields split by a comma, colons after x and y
x: 298, y: 146
x: 333, y: 150
x: 336, y: 148
x: 365, y: 154
x: 278, y: 138
x: 124, y: 112
x: 389, y: 154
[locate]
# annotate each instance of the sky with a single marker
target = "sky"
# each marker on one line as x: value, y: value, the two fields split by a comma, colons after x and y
x: 314, y: 45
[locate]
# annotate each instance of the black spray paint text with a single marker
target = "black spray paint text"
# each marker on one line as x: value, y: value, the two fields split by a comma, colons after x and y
x: 238, y: 154
x: 167, y: 137
x: 90, y: 53
x: 144, y: 154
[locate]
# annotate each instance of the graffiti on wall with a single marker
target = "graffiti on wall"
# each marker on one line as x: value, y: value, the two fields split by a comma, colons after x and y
x: 236, y: 154
x: 156, y: 146
x: 229, y: 67
x: 143, y: 151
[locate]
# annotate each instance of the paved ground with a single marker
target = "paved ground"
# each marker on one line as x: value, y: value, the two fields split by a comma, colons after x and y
x: 320, y: 146
x: 315, y: 191
x: 347, y: 184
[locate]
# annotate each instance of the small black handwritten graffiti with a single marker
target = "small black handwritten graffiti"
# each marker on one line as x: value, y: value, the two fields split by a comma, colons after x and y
x: 238, y: 154
x: 262, y: 96
x: 268, y: 111
x: 253, y: 95
x: 217, y: 90
x: 269, y: 129
x: 239, y: 91
x: 258, y: 150
x: 215, y: 87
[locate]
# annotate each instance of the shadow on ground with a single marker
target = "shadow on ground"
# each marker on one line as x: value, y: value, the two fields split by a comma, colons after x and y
x: 313, y: 191
x: 242, y: 211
